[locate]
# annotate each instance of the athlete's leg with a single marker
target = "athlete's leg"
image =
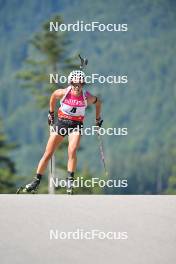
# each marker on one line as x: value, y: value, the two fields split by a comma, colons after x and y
x: 53, y: 142
x: 74, y: 142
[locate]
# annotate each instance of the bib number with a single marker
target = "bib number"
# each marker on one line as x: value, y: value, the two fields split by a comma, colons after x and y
x: 73, y: 110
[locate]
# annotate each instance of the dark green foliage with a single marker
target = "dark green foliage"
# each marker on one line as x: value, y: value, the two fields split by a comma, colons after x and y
x: 48, y: 55
x: 146, y: 105
x: 7, y: 167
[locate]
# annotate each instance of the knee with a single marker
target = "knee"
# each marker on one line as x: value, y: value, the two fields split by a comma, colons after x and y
x: 72, y: 153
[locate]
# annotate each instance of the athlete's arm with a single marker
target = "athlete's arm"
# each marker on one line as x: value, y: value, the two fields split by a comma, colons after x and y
x: 91, y: 99
x: 58, y: 94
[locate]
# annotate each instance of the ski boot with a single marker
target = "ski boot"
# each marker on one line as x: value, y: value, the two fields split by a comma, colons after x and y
x: 70, y: 184
x: 31, y: 187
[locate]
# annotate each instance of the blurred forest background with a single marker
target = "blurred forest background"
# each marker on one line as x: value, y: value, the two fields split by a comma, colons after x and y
x: 145, y: 105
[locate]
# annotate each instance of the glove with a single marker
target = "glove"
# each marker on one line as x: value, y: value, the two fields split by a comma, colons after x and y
x: 51, y: 118
x: 99, y: 122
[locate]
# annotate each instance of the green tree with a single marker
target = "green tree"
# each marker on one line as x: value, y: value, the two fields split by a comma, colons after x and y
x: 171, y: 189
x: 7, y: 166
x: 48, y: 55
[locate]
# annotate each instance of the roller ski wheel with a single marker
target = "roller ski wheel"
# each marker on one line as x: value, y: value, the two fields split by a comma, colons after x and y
x: 23, y: 190
x: 70, y: 191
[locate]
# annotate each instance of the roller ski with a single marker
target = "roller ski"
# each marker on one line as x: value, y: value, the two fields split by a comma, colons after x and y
x: 31, y: 187
x: 70, y: 185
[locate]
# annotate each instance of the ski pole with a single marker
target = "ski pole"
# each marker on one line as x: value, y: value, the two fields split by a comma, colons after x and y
x: 102, y: 155
x: 51, y: 167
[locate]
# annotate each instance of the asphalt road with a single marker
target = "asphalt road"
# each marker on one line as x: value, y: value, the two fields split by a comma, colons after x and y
x: 26, y: 221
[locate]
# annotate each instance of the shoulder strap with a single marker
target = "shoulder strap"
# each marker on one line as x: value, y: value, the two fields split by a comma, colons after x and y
x: 85, y: 98
x: 67, y: 91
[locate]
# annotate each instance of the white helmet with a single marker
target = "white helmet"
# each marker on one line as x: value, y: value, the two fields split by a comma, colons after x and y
x: 76, y: 77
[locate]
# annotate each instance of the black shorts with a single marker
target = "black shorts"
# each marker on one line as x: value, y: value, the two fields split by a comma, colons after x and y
x: 64, y: 127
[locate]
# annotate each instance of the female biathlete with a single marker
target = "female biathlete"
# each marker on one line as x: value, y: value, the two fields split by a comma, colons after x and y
x: 73, y: 102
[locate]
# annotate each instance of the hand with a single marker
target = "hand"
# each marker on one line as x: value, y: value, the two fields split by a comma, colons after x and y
x: 51, y: 118
x: 99, y: 122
